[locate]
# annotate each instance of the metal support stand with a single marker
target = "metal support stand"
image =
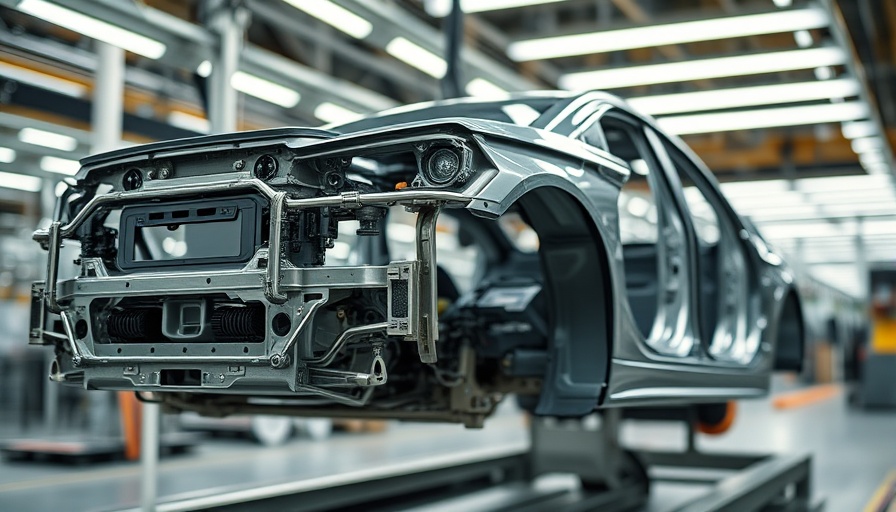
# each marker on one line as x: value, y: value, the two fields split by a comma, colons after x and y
x: 572, y: 446
x: 149, y: 456
x: 742, y: 483
x: 611, y: 478
x: 229, y: 24
x: 503, y: 479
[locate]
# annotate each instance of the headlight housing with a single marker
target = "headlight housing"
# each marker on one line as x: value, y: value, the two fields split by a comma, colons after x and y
x: 444, y: 165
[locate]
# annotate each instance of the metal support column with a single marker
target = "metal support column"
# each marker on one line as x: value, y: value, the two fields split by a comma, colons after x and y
x: 861, y: 265
x: 108, y: 98
x: 229, y: 24
x: 149, y: 457
x: 106, y: 124
x: 108, y: 116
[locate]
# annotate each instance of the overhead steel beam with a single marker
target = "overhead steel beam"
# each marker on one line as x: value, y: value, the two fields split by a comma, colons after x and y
x: 14, y: 122
x: 391, y: 21
x: 29, y: 165
x: 189, y: 45
x: 79, y: 59
x: 292, y: 22
x: 316, y: 87
x: 854, y: 66
x: 186, y: 44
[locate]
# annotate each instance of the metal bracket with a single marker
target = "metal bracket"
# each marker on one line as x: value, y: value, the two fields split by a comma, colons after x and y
x: 428, y: 320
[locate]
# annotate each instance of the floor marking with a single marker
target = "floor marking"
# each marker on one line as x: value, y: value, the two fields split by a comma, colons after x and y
x: 807, y: 396
x: 884, y: 497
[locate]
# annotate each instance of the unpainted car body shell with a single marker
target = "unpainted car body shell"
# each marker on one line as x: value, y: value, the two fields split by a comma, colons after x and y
x: 598, y: 355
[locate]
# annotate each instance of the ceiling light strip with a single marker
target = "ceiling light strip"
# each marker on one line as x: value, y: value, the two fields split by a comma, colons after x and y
x: 741, y: 65
x: 60, y: 165
x: 7, y: 155
x: 336, y: 16
x: 42, y: 80
x: 483, y: 88
x: 94, y: 28
x: 47, y: 139
x: 20, y: 182
x: 417, y: 56
x: 745, y: 97
x: 332, y: 113
x: 765, y: 118
x: 666, y: 34
x: 265, y: 89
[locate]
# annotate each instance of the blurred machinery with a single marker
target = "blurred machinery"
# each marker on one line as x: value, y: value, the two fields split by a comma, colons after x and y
x: 878, y: 387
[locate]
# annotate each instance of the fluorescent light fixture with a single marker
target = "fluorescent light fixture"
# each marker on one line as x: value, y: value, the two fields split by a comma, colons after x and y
x: 744, y: 97
x: 94, y: 28
x: 188, y: 122
x: 786, y: 197
x: 20, y: 182
x: 666, y: 34
x: 59, y: 165
x: 7, y: 155
x: 776, y: 212
x: 854, y: 197
x: 265, y: 89
x: 824, y: 73
x: 441, y: 8
x: 803, y: 38
x: 335, y: 15
x: 204, y: 69
x: 738, y: 189
x: 842, y: 183
x: 880, y: 227
x: 861, y: 207
x: 765, y: 118
x: 804, y: 230
x: 43, y: 80
x: 684, y: 71
x: 783, y: 3
x: 333, y: 113
x: 867, y: 144
x: 417, y: 56
x: 47, y: 139
x: 483, y: 88
x: 858, y: 129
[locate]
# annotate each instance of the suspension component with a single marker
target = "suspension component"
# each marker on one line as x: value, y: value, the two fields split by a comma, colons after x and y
x: 136, y: 325
x: 233, y: 323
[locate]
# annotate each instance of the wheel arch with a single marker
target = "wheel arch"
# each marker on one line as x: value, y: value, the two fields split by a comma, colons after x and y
x: 579, y: 286
x: 790, y: 336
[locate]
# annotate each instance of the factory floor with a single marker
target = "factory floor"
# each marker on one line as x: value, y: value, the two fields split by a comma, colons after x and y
x: 854, y: 454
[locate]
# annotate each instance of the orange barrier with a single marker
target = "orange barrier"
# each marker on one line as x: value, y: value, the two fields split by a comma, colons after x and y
x: 806, y: 396
x: 722, y: 426
x: 130, y: 409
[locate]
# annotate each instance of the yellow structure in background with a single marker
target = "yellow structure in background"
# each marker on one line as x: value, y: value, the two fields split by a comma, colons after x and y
x: 883, y: 314
x: 883, y: 335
